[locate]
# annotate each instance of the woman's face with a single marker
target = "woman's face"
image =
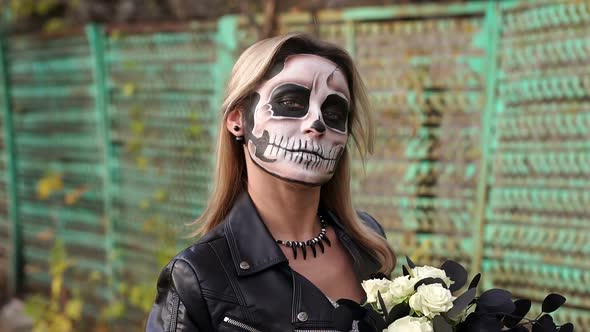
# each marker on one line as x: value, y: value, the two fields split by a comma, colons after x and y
x: 297, y: 125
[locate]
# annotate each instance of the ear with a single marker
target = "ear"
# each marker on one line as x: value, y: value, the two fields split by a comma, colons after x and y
x: 233, y: 121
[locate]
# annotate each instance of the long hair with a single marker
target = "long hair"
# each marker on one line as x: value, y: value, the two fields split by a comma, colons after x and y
x: 230, y: 173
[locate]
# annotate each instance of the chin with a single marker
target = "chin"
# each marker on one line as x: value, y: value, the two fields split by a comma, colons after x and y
x: 300, y: 177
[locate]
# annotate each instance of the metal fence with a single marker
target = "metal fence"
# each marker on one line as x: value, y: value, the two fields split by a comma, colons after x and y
x: 481, y: 156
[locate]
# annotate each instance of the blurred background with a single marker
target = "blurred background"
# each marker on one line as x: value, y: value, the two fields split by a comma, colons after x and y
x: 107, y: 130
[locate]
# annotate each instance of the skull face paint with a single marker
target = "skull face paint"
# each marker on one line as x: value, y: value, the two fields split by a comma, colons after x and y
x: 297, y: 125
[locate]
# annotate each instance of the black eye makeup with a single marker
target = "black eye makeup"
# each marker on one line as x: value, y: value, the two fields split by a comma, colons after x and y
x: 290, y: 100
x: 335, y: 112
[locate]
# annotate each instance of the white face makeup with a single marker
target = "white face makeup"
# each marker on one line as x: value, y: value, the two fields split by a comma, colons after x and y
x: 297, y: 124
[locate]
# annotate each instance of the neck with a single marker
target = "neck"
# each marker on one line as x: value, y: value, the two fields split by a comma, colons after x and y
x: 289, y: 210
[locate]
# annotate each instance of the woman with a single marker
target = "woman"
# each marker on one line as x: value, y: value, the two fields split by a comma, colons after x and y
x: 281, y: 241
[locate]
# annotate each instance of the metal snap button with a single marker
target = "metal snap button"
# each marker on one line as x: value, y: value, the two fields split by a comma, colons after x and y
x: 302, y: 316
x: 244, y: 265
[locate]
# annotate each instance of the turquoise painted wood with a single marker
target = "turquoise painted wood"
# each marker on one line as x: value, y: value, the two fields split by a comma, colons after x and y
x: 536, y: 216
x: 59, y: 162
x: 164, y: 94
x: 428, y: 81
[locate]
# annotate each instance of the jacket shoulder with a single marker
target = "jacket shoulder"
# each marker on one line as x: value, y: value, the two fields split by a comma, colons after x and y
x: 371, y: 222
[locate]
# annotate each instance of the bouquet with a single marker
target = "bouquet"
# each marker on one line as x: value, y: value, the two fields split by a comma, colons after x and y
x: 423, y: 300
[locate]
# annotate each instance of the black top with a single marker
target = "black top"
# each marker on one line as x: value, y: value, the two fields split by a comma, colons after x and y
x: 236, y: 278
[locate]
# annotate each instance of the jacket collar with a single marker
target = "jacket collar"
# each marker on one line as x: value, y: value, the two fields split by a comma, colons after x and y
x: 365, y: 264
x: 253, y: 248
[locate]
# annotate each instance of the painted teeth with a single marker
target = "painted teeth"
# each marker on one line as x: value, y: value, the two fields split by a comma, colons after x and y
x: 310, y: 159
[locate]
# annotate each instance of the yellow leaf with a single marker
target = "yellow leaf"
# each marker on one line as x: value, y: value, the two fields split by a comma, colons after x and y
x: 137, y: 127
x: 49, y: 184
x: 135, y: 295
x: 43, y: 7
x: 144, y: 204
x: 116, y: 310
x: 73, y: 309
x: 35, y: 306
x: 133, y: 146
x: 56, y: 284
x: 160, y: 195
x: 194, y: 131
x: 122, y: 288
x: 141, y: 162
x: 73, y: 196
x: 115, y: 35
x: 75, y: 4
x: 54, y: 25
x: 61, y: 324
x: 41, y: 327
x: 128, y: 89
x: 95, y: 276
x: 45, y: 235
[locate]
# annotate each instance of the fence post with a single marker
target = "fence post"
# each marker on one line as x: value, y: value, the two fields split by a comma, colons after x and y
x: 226, y: 42
x: 350, y: 33
x: 95, y: 35
x: 492, y: 34
x: 16, y: 268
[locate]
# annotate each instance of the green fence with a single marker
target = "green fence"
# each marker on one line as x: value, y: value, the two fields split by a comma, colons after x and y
x: 481, y: 156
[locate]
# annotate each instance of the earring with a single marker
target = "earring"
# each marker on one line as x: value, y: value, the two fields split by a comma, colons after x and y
x: 239, y: 139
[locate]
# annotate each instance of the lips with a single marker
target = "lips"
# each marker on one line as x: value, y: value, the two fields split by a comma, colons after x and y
x: 305, y: 151
x: 293, y: 146
x: 308, y: 153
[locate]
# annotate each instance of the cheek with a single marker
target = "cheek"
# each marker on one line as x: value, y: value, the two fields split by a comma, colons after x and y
x: 262, y: 117
x: 338, y: 138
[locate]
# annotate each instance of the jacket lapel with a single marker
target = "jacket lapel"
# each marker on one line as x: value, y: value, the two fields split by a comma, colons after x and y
x: 252, y: 247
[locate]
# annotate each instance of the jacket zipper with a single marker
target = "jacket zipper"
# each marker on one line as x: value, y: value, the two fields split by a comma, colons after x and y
x: 241, y: 325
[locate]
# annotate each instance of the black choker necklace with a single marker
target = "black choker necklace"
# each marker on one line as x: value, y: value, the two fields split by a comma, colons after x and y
x: 322, y: 237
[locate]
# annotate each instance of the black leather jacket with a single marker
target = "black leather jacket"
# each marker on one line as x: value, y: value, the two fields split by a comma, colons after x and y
x: 236, y: 278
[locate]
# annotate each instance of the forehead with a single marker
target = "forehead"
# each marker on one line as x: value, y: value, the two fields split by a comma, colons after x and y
x: 308, y: 70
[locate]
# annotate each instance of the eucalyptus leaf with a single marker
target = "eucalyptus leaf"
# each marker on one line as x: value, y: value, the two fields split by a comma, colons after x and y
x: 522, y: 308
x: 440, y: 324
x: 398, y: 311
x: 429, y: 281
x: 552, y: 302
x: 475, y: 281
x: 567, y: 327
x: 457, y: 273
x: 382, y: 304
x: 405, y: 270
x: 496, y: 301
x: 410, y: 263
x: 461, y: 303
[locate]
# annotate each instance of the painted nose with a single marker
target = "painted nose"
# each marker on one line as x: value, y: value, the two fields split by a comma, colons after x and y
x: 317, y: 127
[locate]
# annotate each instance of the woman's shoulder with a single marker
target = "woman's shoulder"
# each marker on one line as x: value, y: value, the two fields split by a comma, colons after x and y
x: 205, y: 251
x: 371, y: 222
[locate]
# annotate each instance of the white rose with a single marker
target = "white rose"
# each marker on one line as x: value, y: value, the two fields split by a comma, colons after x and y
x: 421, y: 272
x: 401, y: 288
x: 411, y: 324
x: 372, y: 286
x: 431, y: 300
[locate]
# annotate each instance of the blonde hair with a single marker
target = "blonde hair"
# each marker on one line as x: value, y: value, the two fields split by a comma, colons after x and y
x: 230, y: 173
